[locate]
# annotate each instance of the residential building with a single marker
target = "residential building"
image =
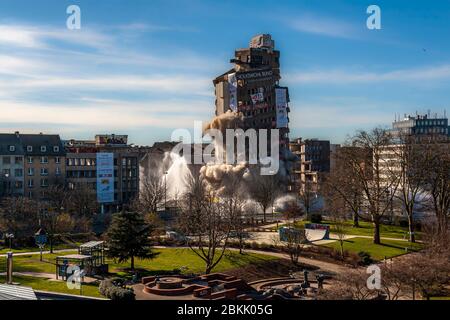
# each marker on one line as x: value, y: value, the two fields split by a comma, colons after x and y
x: 11, y: 165
x: 82, y: 167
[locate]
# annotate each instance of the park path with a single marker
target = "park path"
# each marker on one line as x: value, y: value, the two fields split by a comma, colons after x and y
x: 16, y: 254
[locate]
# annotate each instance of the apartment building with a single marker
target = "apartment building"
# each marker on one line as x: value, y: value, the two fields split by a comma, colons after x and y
x: 82, y: 168
x: 30, y: 163
x: 11, y: 165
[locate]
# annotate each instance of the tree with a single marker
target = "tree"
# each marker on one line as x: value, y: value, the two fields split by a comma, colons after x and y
x: 438, y: 183
x: 151, y: 194
x: 53, y: 216
x: 341, y: 188
x: 374, y: 172
x: 308, y: 195
x: 264, y: 190
x: 206, y: 221
x: 19, y: 216
x: 413, y: 159
x: 83, y: 201
x: 128, y: 237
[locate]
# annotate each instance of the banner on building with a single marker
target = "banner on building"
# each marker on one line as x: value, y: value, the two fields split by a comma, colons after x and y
x: 281, y: 106
x: 105, y: 177
x: 257, y: 97
x: 232, y: 89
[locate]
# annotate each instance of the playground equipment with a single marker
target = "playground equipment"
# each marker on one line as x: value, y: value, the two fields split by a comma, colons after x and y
x: 316, y: 232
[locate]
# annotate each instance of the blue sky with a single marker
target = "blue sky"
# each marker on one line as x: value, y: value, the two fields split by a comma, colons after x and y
x: 144, y: 68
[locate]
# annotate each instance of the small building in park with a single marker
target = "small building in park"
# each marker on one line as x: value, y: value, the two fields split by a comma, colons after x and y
x: 90, y: 259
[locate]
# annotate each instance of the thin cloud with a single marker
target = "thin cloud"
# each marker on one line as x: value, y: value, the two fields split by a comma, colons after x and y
x: 345, y: 77
x: 324, y: 26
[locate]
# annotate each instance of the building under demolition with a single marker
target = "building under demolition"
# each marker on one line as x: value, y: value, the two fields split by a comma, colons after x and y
x: 252, y: 88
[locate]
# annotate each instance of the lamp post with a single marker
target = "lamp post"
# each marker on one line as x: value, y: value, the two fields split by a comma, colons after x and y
x: 9, y: 236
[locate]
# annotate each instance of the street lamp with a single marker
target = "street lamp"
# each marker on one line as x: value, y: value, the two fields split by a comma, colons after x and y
x: 9, y: 236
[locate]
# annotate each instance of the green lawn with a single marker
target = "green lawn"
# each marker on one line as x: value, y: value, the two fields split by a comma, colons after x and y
x: 366, y: 229
x: 43, y: 284
x: 167, y: 260
x: 388, y: 248
x: 170, y: 259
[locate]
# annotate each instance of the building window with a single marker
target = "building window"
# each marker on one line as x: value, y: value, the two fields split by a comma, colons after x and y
x: 43, y: 149
x: 6, y: 173
x: 30, y: 159
x: 44, y: 172
x: 12, y: 148
x: 29, y: 148
x: 44, y: 159
x: 58, y: 171
x: 31, y: 171
x: 44, y: 182
x: 6, y: 160
x: 18, y: 172
x: 57, y: 160
x: 30, y: 194
x: 18, y: 160
x: 18, y: 185
x: 55, y: 149
x: 30, y: 183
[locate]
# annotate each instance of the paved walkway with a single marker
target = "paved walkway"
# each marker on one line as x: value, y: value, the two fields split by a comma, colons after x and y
x: 44, y: 275
x: 16, y: 254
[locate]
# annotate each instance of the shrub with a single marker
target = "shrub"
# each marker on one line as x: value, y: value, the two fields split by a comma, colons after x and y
x: 114, y: 289
x: 316, y: 218
x: 365, y: 258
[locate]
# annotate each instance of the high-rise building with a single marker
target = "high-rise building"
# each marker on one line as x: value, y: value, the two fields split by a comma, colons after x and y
x: 252, y: 88
x: 423, y: 127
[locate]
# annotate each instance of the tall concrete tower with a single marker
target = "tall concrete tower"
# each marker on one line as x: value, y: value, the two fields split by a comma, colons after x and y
x: 252, y: 88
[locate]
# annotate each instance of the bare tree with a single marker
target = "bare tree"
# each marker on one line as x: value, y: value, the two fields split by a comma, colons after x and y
x: 19, y: 216
x: 206, y: 222
x: 374, y: 172
x: 151, y: 194
x: 54, y: 217
x: 438, y: 183
x: 264, y: 190
x: 342, y: 188
x: 83, y: 201
x: 308, y: 196
x: 413, y: 159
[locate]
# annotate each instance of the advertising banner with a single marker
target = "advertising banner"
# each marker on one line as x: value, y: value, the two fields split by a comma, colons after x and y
x: 281, y: 106
x: 232, y: 87
x: 105, y: 177
x: 257, y: 97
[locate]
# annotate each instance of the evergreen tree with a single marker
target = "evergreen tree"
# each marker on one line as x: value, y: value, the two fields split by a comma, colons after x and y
x: 128, y: 237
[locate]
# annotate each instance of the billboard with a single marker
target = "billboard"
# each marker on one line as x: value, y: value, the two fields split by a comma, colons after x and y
x: 232, y: 87
x: 111, y: 139
x: 281, y: 106
x: 105, y: 177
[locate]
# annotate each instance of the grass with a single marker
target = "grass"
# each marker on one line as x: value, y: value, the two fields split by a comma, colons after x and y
x: 166, y: 261
x: 43, y: 284
x: 388, y: 248
x: 366, y: 229
x: 169, y: 259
